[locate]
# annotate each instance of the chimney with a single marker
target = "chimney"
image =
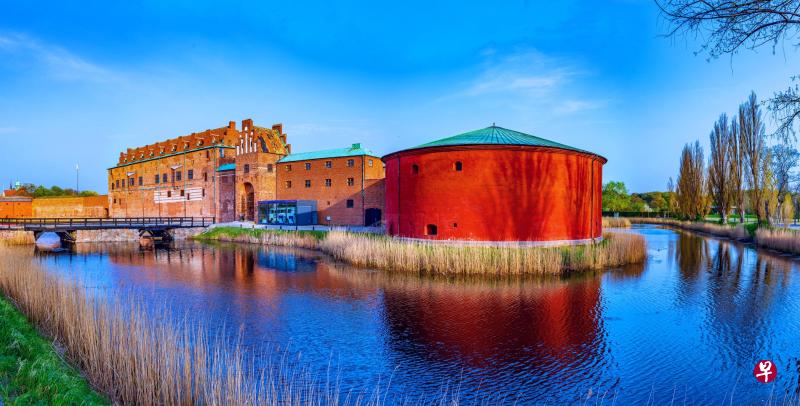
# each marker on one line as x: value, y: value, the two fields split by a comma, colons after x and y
x: 232, y: 125
x: 288, y: 148
x: 247, y: 124
x: 278, y: 127
x: 283, y: 138
x: 356, y: 146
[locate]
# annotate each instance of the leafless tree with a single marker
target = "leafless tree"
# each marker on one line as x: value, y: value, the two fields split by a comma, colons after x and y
x: 784, y: 162
x: 719, y: 167
x: 727, y: 26
x: 737, y: 168
x: 752, y: 141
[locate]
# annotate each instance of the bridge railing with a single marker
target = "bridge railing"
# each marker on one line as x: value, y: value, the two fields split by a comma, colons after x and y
x: 89, y: 223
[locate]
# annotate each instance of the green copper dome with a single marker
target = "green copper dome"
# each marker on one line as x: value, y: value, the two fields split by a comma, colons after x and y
x: 496, y: 136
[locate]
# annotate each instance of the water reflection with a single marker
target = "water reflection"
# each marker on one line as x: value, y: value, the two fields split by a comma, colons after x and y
x: 628, y: 334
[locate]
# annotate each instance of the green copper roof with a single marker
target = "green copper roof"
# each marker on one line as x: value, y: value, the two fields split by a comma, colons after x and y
x: 353, y: 150
x: 226, y: 167
x: 496, y: 136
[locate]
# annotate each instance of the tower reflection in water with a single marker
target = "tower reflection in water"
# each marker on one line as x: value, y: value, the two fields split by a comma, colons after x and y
x: 523, y: 340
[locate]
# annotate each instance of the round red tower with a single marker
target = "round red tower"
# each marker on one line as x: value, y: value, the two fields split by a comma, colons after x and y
x: 496, y: 185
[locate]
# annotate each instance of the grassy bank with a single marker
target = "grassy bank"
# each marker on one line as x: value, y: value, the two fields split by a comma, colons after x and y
x: 387, y: 253
x: 31, y: 372
x: 135, y: 357
x: 616, y: 222
x: 779, y: 239
x: 300, y: 239
x: 734, y: 232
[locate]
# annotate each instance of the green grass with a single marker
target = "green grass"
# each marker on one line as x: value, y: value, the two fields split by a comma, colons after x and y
x: 31, y: 372
x: 233, y: 232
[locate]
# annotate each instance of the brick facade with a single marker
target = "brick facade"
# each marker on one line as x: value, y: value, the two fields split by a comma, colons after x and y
x: 71, y: 207
x: 344, y: 187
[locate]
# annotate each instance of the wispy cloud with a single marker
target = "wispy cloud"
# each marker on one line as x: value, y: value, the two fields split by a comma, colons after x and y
x: 530, y: 79
x: 57, y: 62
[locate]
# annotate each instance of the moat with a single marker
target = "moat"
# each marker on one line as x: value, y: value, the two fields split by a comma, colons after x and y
x: 689, y: 324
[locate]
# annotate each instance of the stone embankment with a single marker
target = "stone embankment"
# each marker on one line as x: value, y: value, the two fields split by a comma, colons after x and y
x: 19, y: 237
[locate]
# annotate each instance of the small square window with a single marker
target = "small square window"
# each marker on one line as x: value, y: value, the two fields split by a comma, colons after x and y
x: 350, y: 203
x: 141, y: 181
x: 431, y: 229
x: 415, y: 169
x: 308, y: 183
x: 190, y: 174
x: 269, y: 168
x: 308, y: 166
x: 369, y: 162
x: 351, y: 181
x: 178, y: 175
x: 205, y: 177
x: 329, y: 164
x: 164, y: 178
x: 169, y: 193
x: 328, y: 183
x: 158, y: 178
x: 351, y: 163
x: 246, y: 168
x: 182, y: 192
x: 288, y: 184
x: 288, y: 168
x: 457, y: 166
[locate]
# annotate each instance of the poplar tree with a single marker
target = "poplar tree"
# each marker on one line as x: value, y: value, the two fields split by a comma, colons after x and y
x: 753, y: 144
x: 737, y: 168
x: 692, y: 202
x: 719, y: 168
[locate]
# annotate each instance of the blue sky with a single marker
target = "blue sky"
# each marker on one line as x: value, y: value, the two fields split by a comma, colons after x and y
x: 79, y: 84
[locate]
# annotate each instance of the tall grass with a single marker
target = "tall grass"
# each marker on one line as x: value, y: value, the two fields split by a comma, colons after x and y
x: 398, y: 255
x: 136, y: 358
x: 734, y: 232
x: 780, y: 239
x: 616, y: 222
x: 16, y: 237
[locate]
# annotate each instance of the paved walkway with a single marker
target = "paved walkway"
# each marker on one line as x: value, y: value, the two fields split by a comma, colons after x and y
x: 250, y: 224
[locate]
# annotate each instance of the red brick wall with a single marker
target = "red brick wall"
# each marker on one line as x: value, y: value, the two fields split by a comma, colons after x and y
x: 226, y: 189
x: 15, y: 208
x: 366, y: 191
x: 71, y: 207
x: 503, y: 193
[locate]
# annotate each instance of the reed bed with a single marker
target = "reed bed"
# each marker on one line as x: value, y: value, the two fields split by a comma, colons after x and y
x: 134, y: 357
x: 617, y: 249
x: 616, y: 222
x: 784, y: 240
x: 16, y: 237
x: 737, y: 232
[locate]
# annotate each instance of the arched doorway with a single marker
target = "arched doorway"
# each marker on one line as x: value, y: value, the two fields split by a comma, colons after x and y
x: 249, y: 202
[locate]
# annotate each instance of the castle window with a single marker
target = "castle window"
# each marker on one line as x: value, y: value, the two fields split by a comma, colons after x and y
x: 182, y: 192
x: 431, y: 229
x: 169, y: 193
x: 204, y: 192
x: 130, y: 181
x: 190, y: 174
x: 205, y: 177
x: 178, y: 175
x: 115, y: 201
x: 350, y: 203
x: 351, y: 163
x: 457, y: 166
x: 415, y: 169
x: 158, y: 178
x: 208, y: 154
x: 369, y: 163
x: 222, y: 153
x: 288, y: 168
x: 329, y: 164
x: 351, y: 181
x: 308, y: 166
x: 112, y: 185
x: 246, y: 168
x: 141, y: 181
x: 308, y: 183
x: 164, y: 178
x: 288, y: 184
x: 117, y: 183
x: 328, y: 183
x: 269, y: 168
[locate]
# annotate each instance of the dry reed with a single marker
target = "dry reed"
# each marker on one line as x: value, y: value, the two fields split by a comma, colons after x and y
x: 398, y: 255
x: 784, y: 240
x: 15, y: 237
x: 136, y: 358
x: 737, y: 232
x: 301, y: 239
x: 616, y: 222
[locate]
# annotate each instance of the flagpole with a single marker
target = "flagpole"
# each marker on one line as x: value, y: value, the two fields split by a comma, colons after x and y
x: 77, y: 180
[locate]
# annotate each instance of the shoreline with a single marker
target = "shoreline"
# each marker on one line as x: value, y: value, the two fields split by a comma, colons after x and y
x: 32, y: 370
x: 778, y: 239
x: 390, y: 254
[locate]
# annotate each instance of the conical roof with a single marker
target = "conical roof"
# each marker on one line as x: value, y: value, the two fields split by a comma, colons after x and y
x: 495, y: 135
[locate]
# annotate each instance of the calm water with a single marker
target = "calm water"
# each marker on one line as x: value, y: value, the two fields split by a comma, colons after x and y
x: 689, y: 324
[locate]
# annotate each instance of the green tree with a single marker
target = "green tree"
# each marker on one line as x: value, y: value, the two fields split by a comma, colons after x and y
x: 615, y: 197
